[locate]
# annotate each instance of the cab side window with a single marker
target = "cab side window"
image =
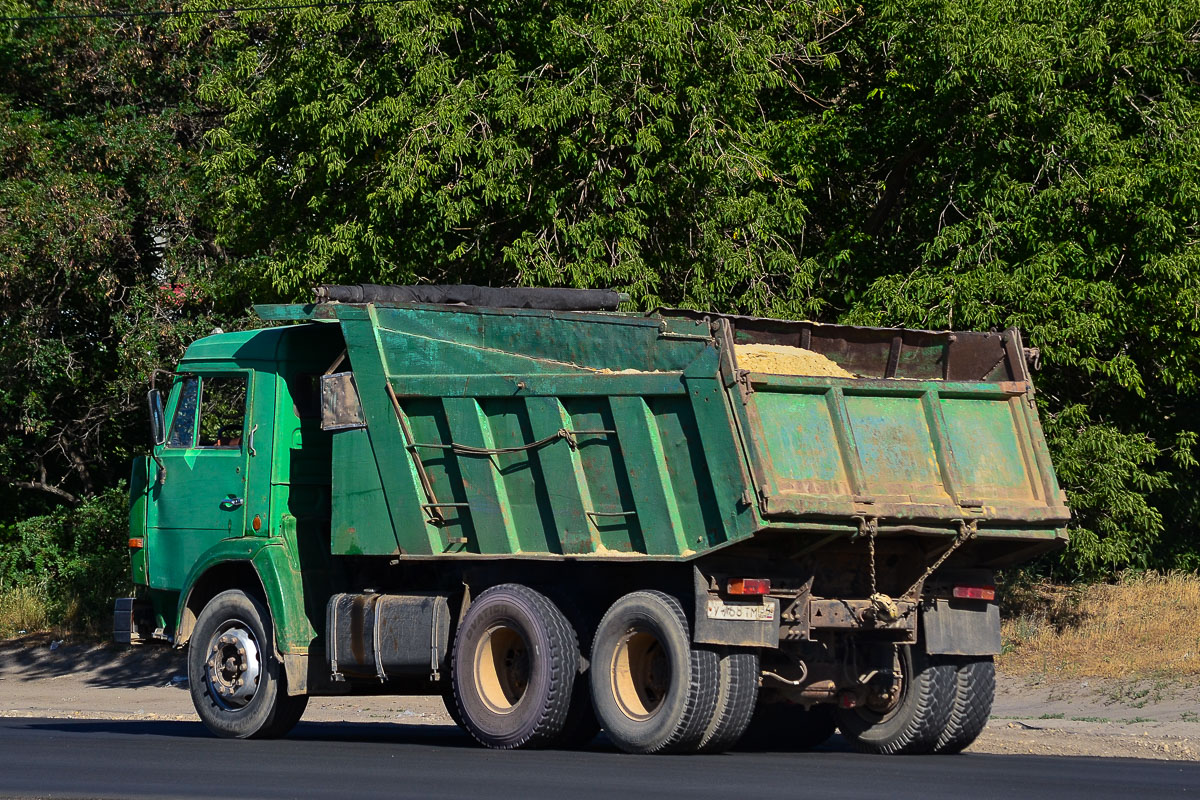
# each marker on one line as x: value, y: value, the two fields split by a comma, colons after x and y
x: 183, y: 424
x: 222, y: 411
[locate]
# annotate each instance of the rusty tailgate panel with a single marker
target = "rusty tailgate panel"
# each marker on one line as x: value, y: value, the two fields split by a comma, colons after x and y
x: 933, y: 427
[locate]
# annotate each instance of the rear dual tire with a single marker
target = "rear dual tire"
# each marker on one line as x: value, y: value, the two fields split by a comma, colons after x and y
x: 515, y: 677
x: 514, y: 671
x: 737, y: 694
x: 916, y: 720
x: 973, y: 693
x: 656, y: 692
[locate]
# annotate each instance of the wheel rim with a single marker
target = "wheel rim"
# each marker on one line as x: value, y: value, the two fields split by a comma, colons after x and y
x: 640, y: 672
x: 233, y: 666
x: 502, y: 668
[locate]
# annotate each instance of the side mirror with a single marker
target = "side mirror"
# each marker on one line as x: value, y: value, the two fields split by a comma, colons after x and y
x: 158, y: 423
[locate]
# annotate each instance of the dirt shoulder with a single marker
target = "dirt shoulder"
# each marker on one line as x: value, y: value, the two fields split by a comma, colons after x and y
x: 1159, y: 719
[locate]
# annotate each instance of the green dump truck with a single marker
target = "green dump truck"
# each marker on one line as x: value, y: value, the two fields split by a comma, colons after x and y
x: 673, y: 526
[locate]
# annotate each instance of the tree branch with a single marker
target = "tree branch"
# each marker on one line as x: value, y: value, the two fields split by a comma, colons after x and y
x: 45, y: 487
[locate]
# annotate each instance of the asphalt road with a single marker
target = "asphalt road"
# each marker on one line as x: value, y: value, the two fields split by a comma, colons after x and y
x: 101, y: 759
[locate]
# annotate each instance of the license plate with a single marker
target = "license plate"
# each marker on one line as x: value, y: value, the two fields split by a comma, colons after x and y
x: 752, y: 612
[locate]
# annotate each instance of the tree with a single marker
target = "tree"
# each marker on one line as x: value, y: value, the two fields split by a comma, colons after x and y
x: 1044, y: 174
x: 930, y: 163
x: 103, y: 267
x: 578, y: 143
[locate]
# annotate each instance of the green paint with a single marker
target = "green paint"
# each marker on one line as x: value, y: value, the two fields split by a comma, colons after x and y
x: 485, y: 489
x: 671, y: 453
x: 990, y: 450
x: 568, y: 497
x: 655, y: 502
x: 279, y: 579
x: 139, y: 487
x: 360, y: 523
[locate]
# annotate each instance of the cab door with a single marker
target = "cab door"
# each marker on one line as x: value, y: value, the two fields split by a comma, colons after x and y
x: 202, y: 497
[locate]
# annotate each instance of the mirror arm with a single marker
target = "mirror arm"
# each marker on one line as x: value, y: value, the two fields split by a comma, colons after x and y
x: 161, y: 478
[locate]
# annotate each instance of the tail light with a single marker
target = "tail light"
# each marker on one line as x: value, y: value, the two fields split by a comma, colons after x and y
x: 749, y: 585
x: 975, y: 592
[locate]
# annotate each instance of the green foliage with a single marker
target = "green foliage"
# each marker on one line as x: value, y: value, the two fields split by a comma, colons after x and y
x: 1111, y: 475
x: 103, y: 268
x: 926, y: 163
x: 958, y: 163
x: 1045, y: 176
x: 74, y: 560
x: 628, y: 143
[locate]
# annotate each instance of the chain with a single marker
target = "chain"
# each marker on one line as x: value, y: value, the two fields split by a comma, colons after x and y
x: 868, y: 527
x: 884, y: 605
x: 966, y: 532
x: 469, y: 450
x: 871, y: 550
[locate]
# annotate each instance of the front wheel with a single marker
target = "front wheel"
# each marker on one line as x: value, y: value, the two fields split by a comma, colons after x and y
x: 916, y: 715
x: 237, y: 683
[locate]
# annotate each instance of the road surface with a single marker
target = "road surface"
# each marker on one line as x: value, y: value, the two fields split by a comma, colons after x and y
x: 359, y: 761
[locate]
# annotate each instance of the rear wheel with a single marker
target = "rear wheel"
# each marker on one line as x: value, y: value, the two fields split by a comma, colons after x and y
x: 913, y: 718
x: 973, y: 692
x: 515, y: 662
x: 737, y: 692
x: 653, y: 692
x: 237, y: 684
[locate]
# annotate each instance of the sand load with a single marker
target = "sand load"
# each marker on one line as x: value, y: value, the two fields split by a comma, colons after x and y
x: 779, y: 359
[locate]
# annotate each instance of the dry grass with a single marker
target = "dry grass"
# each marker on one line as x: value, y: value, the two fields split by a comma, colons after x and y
x: 1145, y: 626
x: 22, y: 609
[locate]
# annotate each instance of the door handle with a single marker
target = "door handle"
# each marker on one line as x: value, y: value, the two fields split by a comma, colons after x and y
x: 230, y: 503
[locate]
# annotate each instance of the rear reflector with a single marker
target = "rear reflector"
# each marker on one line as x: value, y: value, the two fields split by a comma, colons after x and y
x: 975, y: 592
x: 749, y: 585
x: 137, y: 544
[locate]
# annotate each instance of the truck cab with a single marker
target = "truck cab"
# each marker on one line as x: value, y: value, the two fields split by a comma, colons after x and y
x: 239, y: 474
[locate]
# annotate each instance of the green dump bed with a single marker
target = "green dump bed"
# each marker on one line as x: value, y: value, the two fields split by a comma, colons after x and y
x: 469, y: 432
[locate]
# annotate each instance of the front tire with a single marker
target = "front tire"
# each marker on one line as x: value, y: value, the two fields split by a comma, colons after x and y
x: 915, y: 720
x: 238, y: 685
x: 515, y: 662
x: 653, y: 692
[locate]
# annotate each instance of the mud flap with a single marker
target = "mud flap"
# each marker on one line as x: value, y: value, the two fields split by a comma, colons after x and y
x: 751, y: 622
x: 961, y: 628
